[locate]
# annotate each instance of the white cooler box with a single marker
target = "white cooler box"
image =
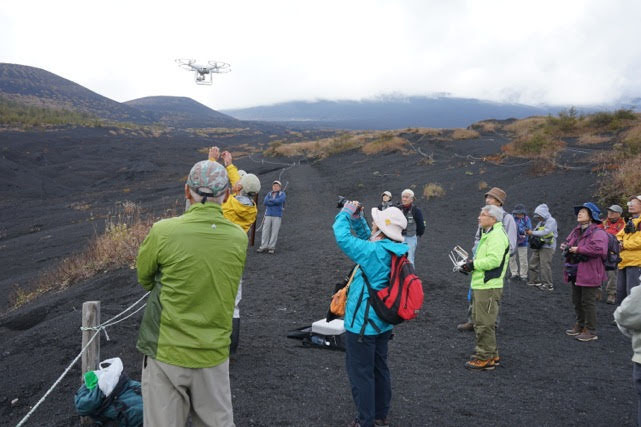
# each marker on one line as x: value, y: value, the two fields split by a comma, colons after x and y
x: 323, y: 327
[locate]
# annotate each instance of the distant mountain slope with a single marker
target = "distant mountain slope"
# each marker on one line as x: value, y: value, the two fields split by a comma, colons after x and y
x: 183, y: 112
x: 388, y: 112
x: 38, y: 87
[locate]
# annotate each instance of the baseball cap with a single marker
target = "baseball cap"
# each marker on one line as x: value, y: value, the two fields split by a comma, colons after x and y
x: 208, y: 177
x: 616, y: 208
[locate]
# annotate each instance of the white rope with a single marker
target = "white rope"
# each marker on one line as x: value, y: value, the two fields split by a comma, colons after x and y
x: 97, y: 330
x: 42, y: 399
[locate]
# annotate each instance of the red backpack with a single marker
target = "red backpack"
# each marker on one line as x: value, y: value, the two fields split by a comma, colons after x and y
x: 402, y: 299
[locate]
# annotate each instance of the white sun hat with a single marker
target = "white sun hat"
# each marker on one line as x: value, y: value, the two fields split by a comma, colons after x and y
x: 391, y: 222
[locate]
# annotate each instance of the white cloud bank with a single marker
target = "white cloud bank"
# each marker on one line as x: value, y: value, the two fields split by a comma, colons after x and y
x: 569, y: 52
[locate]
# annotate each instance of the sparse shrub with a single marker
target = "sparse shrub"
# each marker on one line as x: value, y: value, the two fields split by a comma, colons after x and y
x: 486, y: 126
x: 526, y: 126
x: 565, y: 122
x: 624, y: 114
x: 624, y: 181
x: 483, y: 185
x: 116, y: 247
x: 537, y: 145
x: 433, y: 190
x: 464, y: 134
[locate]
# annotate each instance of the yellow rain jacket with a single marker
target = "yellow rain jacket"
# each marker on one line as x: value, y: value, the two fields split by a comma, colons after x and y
x: 235, y: 211
x: 631, y: 252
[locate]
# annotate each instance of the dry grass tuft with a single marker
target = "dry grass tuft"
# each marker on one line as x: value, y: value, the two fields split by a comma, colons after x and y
x: 483, y: 185
x: 425, y: 131
x: 486, y: 126
x: 433, y: 190
x: 116, y: 247
x: 591, y: 139
x: 464, y: 134
x: 526, y: 126
x: 386, y: 144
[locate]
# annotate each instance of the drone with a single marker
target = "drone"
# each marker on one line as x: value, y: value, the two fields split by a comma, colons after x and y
x: 203, y: 73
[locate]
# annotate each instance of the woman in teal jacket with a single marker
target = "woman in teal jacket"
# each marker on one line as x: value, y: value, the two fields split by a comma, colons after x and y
x: 367, y: 335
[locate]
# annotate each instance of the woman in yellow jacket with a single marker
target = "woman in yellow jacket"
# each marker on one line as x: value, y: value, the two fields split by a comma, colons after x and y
x: 630, y: 238
x: 240, y: 209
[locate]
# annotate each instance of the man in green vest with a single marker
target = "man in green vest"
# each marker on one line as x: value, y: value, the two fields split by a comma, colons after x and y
x: 192, y: 265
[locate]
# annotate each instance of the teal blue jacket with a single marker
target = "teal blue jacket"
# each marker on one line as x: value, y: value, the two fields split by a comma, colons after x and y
x: 374, y: 259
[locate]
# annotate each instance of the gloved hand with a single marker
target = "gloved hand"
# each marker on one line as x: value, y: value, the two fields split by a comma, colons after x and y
x: 353, y: 209
x: 468, y: 267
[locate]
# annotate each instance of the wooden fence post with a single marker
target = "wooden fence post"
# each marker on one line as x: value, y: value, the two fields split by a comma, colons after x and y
x: 91, y: 356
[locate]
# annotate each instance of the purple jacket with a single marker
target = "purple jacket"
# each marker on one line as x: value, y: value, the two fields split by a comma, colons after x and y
x: 593, y: 243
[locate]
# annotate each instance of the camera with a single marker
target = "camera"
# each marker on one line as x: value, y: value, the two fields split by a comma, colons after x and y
x: 342, y: 200
x: 629, y: 227
x: 573, y: 258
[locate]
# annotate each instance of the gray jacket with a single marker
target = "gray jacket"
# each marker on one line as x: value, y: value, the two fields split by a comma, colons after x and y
x: 628, y: 318
x: 549, y: 226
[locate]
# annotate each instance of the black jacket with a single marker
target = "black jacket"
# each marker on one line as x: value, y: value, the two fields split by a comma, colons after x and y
x: 416, y: 214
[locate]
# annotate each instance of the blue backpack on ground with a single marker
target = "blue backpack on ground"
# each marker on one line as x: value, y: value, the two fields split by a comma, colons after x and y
x: 108, y: 396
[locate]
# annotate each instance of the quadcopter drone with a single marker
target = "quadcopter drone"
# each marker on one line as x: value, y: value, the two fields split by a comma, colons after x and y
x: 203, y: 73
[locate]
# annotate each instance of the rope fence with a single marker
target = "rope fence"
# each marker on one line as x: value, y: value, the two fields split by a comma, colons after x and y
x: 102, y: 327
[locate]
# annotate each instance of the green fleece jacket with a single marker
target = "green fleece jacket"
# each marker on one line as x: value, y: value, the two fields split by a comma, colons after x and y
x: 490, y: 259
x: 192, y: 265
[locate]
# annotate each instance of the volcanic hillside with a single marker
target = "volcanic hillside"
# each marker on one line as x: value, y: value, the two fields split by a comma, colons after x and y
x: 183, y: 112
x: 546, y: 377
x: 40, y: 88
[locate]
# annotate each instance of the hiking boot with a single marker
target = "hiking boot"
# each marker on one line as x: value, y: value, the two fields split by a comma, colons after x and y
x: 576, y: 330
x: 261, y: 250
x: 496, y: 360
x: 546, y: 287
x: 481, y: 364
x: 534, y: 284
x: 381, y: 423
x: 467, y: 326
x: 587, y: 335
x: 611, y: 299
x: 354, y: 423
x: 271, y: 251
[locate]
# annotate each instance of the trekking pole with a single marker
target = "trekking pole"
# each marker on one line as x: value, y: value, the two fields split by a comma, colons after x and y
x: 253, y: 232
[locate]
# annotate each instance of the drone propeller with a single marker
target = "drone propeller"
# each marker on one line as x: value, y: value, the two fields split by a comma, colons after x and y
x: 187, y: 64
x: 218, y: 67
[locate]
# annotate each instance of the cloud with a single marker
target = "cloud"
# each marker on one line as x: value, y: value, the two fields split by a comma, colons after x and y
x: 572, y: 52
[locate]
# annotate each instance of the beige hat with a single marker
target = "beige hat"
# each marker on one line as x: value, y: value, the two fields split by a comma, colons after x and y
x: 387, y: 193
x: 498, y: 194
x: 391, y: 222
x: 635, y: 197
x: 250, y: 183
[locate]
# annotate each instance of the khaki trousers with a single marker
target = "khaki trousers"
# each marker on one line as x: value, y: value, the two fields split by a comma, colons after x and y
x: 518, y: 263
x: 540, y: 270
x: 271, y: 227
x: 171, y: 394
x: 485, y: 310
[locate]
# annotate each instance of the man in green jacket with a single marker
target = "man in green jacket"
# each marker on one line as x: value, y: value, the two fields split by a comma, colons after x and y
x: 192, y: 265
x: 488, y: 269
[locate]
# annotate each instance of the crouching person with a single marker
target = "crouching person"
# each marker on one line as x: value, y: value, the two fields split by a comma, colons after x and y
x: 192, y: 265
x: 367, y: 335
x: 488, y: 270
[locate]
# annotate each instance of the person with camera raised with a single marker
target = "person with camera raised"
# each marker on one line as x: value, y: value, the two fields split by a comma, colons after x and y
x: 488, y: 269
x: 366, y: 334
x: 543, y: 243
x: 630, y: 238
x: 584, y: 250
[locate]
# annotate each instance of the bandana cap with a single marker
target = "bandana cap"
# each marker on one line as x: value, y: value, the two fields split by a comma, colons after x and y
x: 208, y: 179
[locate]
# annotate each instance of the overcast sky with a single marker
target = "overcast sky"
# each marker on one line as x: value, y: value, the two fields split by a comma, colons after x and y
x: 554, y: 52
